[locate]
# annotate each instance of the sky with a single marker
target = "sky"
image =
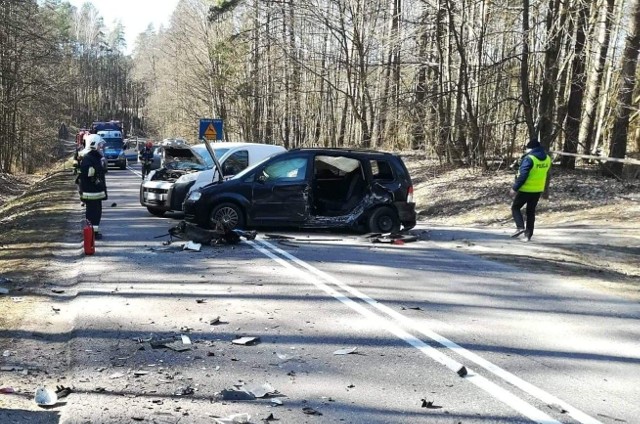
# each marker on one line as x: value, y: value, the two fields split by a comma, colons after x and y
x: 135, y: 15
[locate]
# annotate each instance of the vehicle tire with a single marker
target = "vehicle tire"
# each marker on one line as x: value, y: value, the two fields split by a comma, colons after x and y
x: 384, y: 220
x: 229, y: 213
x: 124, y: 165
x: 156, y: 211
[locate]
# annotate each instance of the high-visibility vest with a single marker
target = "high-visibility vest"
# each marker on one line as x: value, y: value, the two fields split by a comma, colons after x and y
x: 537, y: 175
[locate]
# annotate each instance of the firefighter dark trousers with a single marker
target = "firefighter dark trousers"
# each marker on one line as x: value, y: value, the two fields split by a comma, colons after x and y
x: 531, y: 200
x: 93, y: 211
x: 146, y: 168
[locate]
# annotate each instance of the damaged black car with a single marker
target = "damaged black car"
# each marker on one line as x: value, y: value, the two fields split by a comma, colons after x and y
x: 312, y: 188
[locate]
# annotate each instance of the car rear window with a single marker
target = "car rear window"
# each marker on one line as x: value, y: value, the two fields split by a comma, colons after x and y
x: 381, y: 170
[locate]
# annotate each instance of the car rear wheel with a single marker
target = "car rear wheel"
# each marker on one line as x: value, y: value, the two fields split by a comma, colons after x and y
x: 155, y: 211
x: 384, y: 220
x: 229, y: 214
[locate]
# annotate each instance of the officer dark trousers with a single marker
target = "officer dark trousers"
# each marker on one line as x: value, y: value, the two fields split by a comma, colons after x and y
x: 94, y: 212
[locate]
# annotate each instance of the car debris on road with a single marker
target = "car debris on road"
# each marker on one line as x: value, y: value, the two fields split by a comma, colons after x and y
x: 246, y: 341
x: 220, y: 234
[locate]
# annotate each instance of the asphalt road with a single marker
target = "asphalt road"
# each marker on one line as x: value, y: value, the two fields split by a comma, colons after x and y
x: 535, y: 348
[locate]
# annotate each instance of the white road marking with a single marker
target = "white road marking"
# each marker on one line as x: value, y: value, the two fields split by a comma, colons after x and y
x: 139, y: 174
x: 491, y: 388
x: 494, y: 369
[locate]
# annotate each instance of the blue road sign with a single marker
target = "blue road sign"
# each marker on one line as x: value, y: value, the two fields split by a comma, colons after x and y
x: 211, y: 129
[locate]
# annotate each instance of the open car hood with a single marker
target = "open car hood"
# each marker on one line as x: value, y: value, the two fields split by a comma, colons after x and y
x: 177, y: 156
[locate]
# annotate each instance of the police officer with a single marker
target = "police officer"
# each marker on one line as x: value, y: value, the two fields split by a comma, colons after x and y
x: 531, y: 182
x: 93, y: 187
x: 146, y: 157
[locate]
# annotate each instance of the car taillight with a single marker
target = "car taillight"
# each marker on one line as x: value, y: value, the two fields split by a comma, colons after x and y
x: 410, y: 194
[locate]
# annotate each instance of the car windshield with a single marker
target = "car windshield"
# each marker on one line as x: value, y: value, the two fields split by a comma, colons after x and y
x: 112, y: 143
x: 202, y: 152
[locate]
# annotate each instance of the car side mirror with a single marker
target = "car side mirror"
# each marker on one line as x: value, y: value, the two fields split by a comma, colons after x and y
x: 261, y: 178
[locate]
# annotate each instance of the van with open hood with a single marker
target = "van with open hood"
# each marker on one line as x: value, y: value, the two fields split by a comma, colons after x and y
x: 189, y: 167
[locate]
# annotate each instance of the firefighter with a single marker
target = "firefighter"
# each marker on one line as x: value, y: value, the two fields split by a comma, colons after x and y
x: 93, y: 187
x: 146, y: 157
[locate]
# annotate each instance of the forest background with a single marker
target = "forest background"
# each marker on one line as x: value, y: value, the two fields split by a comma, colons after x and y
x: 464, y: 82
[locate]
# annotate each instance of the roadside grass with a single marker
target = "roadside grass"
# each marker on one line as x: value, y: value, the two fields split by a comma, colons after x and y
x: 32, y: 226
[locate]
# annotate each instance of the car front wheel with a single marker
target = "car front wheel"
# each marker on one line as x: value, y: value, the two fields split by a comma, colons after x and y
x: 228, y: 214
x: 384, y: 220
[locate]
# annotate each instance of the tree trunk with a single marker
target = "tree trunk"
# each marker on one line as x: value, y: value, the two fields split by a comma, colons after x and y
x: 619, y: 134
x: 587, y: 134
x: 574, y: 106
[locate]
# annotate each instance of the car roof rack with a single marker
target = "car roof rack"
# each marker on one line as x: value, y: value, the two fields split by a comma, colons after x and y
x: 342, y: 149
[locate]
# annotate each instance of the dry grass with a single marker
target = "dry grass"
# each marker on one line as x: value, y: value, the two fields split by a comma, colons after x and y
x: 31, y: 225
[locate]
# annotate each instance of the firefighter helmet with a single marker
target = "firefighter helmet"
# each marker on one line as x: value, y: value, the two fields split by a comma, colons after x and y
x: 93, y: 141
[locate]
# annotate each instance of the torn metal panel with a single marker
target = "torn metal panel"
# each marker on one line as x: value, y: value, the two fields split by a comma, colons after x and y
x: 221, y: 234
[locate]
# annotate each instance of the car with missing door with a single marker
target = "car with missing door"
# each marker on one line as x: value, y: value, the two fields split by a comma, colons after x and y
x: 362, y: 190
x: 185, y: 167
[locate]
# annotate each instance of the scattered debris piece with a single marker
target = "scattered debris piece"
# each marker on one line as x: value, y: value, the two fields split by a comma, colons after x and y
x: 276, y: 402
x: 429, y: 404
x: 7, y: 390
x: 201, y: 300
x: 185, y: 339
x: 260, y: 390
x: 351, y: 386
x: 62, y: 391
x: 116, y: 375
x: 17, y: 299
x: 414, y: 308
x: 236, y: 394
x: 390, y: 238
x: 278, y: 237
x: 285, y: 357
x: 462, y: 372
x: 310, y: 411
x: 169, y: 343
x: 192, y: 246
x: 214, y: 321
x: 56, y: 310
x: 137, y: 418
x: 4, y: 290
x: 270, y: 418
x: 11, y: 368
x: 185, y: 391
x: 57, y: 291
x: 114, y: 204
x: 235, y: 419
x: 346, y: 351
x: 618, y: 420
x: 45, y: 397
x: 246, y: 341
x: 6, y: 353
x: 140, y: 373
x: 557, y: 408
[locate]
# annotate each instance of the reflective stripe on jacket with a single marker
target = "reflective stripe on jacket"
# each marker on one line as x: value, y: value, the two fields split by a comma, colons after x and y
x: 537, y: 177
x: 101, y: 195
